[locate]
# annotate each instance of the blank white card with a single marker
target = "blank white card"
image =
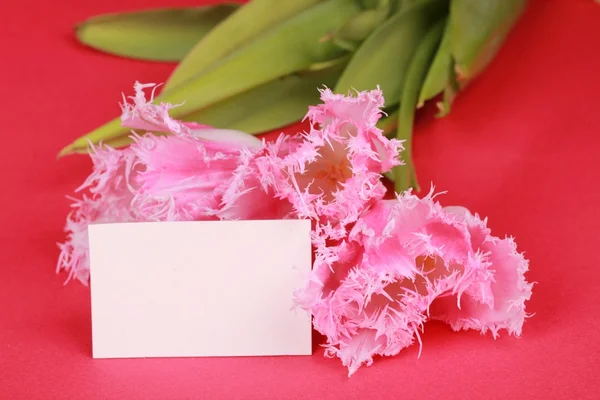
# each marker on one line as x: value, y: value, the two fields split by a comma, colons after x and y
x: 211, y: 288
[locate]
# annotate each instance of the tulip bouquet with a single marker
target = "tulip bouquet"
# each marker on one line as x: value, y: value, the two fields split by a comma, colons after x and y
x: 255, y: 67
x: 382, y: 267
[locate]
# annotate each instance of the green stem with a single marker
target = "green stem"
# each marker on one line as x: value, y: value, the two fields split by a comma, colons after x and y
x: 404, y: 175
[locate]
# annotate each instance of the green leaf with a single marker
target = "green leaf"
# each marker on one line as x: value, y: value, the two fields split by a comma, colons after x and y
x: 450, y: 91
x: 296, y: 45
x: 272, y: 105
x: 371, y: 4
x: 404, y: 175
x: 389, y: 124
x: 384, y: 57
x: 441, y: 78
x: 293, y: 46
x: 438, y: 76
x: 158, y: 35
x: 478, y: 29
x: 360, y: 27
x: 243, y: 27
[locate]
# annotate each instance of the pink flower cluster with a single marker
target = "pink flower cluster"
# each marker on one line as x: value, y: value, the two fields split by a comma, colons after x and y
x: 382, y: 267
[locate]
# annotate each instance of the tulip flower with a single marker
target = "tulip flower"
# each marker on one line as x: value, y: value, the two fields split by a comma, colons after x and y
x: 333, y: 173
x: 196, y: 173
x: 407, y: 261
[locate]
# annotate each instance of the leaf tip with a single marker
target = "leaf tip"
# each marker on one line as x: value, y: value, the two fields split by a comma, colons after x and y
x: 79, y: 29
x: 65, y: 151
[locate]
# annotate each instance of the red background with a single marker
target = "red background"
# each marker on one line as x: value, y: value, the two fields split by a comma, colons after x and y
x: 521, y: 146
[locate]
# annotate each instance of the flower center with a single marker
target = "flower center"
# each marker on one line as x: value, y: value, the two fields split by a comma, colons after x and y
x: 332, y: 173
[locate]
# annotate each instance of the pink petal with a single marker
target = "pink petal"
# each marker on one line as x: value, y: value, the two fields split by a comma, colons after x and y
x: 109, y: 193
x: 227, y: 136
x: 509, y: 289
x: 247, y: 198
x: 182, y: 176
x: 358, y: 117
x: 142, y: 114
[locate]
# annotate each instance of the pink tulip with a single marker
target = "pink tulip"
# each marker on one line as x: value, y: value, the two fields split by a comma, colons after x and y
x: 196, y: 173
x: 332, y: 173
x: 404, y: 262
